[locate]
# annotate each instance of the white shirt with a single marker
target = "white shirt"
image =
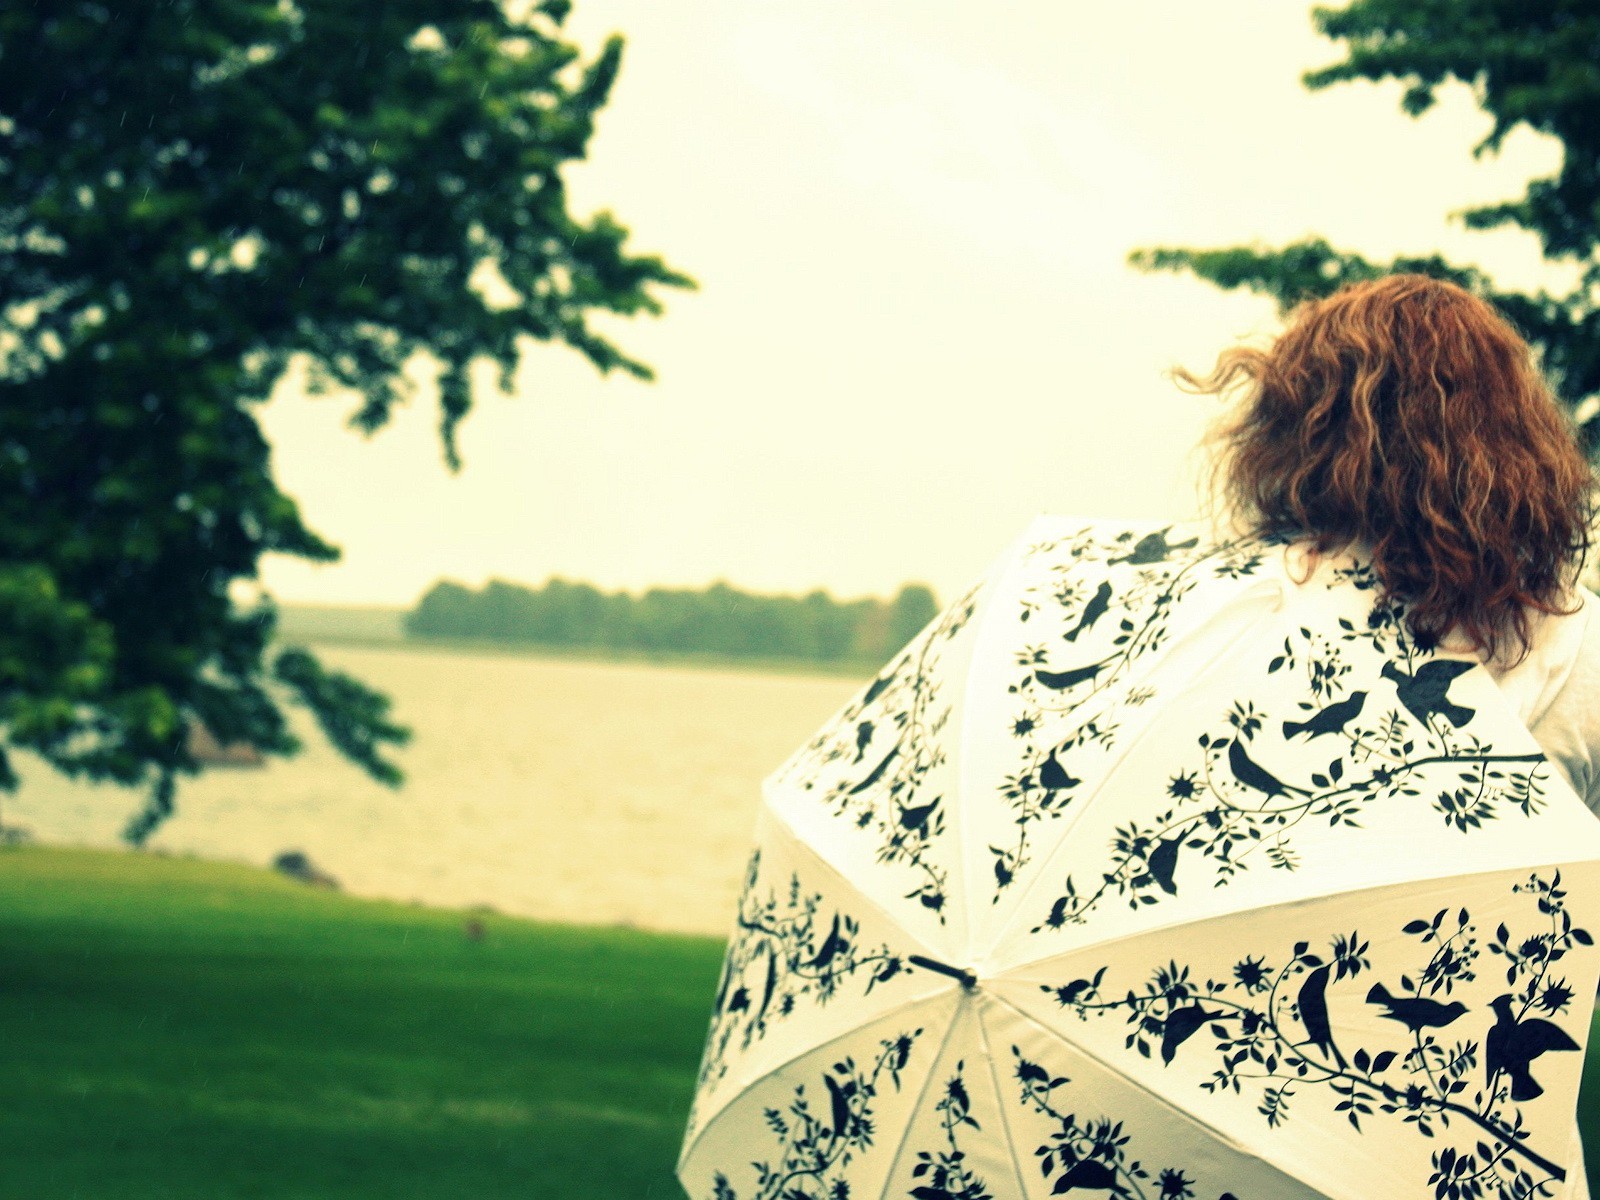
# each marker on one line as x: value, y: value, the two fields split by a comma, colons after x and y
x: 1556, y: 691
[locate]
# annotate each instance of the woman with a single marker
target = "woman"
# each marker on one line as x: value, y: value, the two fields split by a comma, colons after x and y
x: 1405, y: 418
x: 1080, y: 846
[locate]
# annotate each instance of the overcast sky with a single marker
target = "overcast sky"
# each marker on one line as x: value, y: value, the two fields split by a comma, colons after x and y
x: 915, y: 330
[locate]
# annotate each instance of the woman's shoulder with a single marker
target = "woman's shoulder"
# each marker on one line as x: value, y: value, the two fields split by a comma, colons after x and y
x: 1560, y: 644
x: 1573, y: 647
x: 1557, y: 691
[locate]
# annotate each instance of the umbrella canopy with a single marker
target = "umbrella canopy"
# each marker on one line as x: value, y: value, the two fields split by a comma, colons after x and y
x: 1151, y: 870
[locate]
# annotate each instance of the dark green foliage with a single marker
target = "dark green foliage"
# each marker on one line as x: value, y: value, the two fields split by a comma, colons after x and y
x: 191, y: 195
x: 1529, y: 63
x: 718, y: 620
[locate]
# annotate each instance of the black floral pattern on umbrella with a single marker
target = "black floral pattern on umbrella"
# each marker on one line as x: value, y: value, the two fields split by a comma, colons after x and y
x: 1267, y: 1029
x: 786, y: 946
x: 1228, y: 807
x: 1093, y: 1155
x: 886, y: 743
x: 945, y: 1174
x: 815, y: 1145
x: 1104, y: 604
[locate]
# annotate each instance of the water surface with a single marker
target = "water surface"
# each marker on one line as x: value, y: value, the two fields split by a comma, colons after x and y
x: 559, y: 789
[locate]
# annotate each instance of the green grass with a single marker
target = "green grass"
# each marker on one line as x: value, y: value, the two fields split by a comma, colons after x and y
x: 174, y: 1029
x: 177, y: 1029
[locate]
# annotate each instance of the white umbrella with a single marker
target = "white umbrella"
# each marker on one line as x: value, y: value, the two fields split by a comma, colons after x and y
x: 1148, y: 871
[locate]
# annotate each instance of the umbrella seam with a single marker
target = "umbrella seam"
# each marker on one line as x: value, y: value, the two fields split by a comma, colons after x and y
x: 922, y: 1094
x: 849, y: 885
x: 1004, y: 925
x: 1012, y: 972
x: 1002, y: 573
x: 805, y: 849
x: 744, y: 1087
x: 1219, y: 1135
x: 1000, y: 1103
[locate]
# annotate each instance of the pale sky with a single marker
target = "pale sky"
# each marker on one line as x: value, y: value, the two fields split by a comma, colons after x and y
x: 915, y: 330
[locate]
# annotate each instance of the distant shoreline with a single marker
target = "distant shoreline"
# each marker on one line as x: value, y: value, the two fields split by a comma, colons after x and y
x: 693, y: 660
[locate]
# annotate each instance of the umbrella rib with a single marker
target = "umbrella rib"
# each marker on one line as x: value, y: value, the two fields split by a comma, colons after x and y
x: 1183, y: 1114
x: 922, y: 1094
x: 988, y: 629
x: 1000, y: 1103
x: 746, y: 1086
x: 787, y: 832
x: 1015, y: 969
x: 849, y: 886
x: 1003, y: 924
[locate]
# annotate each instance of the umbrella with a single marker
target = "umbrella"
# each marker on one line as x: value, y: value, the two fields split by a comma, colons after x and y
x: 1153, y: 868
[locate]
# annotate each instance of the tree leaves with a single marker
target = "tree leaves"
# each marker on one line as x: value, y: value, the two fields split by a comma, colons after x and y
x: 234, y: 186
x: 1524, y: 69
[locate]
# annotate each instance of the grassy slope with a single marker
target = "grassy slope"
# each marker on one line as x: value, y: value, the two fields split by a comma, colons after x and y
x: 177, y: 1029
x: 185, y: 1030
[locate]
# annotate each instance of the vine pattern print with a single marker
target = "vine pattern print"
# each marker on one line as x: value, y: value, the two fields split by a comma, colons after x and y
x: 880, y: 751
x: 945, y: 1174
x: 1330, y: 1004
x: 1229, y: 808
x: 1460, y: 1081
x: 1103, y: 604
x: 815, y: 1145
x: 779, y: 955
x: 1092, y: 1155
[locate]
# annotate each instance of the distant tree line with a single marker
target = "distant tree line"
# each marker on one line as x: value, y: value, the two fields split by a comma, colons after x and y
x: 719, y: 619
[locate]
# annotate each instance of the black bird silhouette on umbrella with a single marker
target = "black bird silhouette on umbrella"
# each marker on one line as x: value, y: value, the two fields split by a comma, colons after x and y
x: 1053, y: 775
x: 1182, y: 1025
x: 1154, y: 548
x: 1416, y: 1013
x: 1254, y: 776
x: 878, y: 686
x: 1424, y: 692
x: 829, y: 950
x: 1313, y: 1005
x: 1162, y: 863
x: 864, y: 733
x: 1091, y: 1175
x: 1062, y: 680
x: 1330, y: 720
x: 876, y: 773
x: 1092, y: 611
x: 914, y: 819
x: 1511, y: 1045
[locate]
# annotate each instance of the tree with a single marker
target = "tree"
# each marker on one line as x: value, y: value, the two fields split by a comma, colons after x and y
x: 194, y: 195
x: 1533, y: 63
x: 719, y: 619
x: 913, y: 607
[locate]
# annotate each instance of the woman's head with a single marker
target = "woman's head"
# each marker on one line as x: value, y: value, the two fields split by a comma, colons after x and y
x: 1407, y: 415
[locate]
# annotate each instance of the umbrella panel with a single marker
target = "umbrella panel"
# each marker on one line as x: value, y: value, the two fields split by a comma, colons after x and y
x: 1364, y: 1043
x: 809, y: 959
x: 973, y: 736
x: 834, y: 1114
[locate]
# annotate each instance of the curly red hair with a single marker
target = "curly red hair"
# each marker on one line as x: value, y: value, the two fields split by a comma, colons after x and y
x: 1406, y: 416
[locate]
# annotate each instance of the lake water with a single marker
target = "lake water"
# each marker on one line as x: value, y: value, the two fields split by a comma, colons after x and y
x: 573, y: 791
